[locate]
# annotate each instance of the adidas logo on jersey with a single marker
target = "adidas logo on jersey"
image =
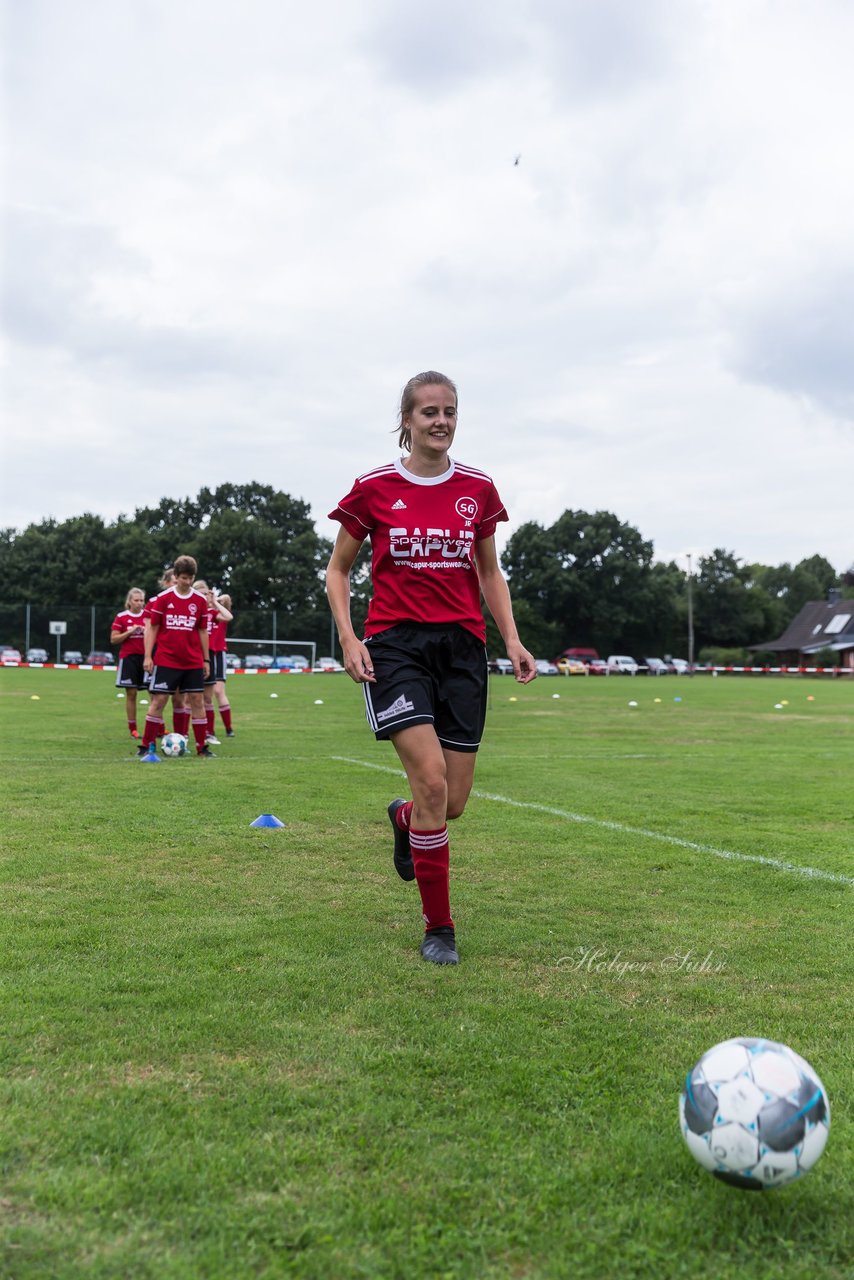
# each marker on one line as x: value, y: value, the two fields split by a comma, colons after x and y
x: 400, y: 505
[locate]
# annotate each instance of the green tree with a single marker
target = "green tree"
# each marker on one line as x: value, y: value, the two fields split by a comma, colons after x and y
x: 790, y: 588
x: 730, y: 608
x: 590, y: 579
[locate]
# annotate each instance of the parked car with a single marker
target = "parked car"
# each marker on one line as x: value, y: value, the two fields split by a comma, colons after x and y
x: 500, y: 667
x: 571, y: 667
x: 284, y: 662
x: 657, y: 666
x: 583, y: 655
x: 73, y: 657
x: 328, y: 664
x: 299, y: 663
x: 680, y: 666
x: 8, y: 654
x: 546, y: 668
x: 233, y: 660
x: 258, y: 661
x: 597, y: 667
x: 37, y: 655
x: 100, y: 658
x: 622, y: 664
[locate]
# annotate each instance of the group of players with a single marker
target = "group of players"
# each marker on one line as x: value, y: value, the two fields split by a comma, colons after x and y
x: 174, y: 647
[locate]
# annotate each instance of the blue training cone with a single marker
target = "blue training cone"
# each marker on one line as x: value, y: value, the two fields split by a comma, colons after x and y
x: 267, y: 820
x: 150, y: 757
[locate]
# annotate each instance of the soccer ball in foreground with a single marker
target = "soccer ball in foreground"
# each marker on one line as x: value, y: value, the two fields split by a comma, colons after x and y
x: 754, y: 1114
x: 174, y: 744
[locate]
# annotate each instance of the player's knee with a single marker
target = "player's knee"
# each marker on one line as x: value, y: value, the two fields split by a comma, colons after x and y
x: 434, y: 791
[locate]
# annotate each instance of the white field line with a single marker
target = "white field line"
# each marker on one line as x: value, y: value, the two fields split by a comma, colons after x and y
x: 809, y: 873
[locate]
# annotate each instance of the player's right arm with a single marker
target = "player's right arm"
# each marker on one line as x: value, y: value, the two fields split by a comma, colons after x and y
x: 152, y: 631
x: 357, y: 659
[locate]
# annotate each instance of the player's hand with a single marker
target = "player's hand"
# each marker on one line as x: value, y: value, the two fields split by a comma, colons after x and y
x: 524, y: 665
x: 358, y: 663
x: 148, y: 664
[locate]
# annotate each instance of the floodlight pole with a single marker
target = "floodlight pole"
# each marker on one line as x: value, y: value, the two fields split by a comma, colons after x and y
x: 690, y: 620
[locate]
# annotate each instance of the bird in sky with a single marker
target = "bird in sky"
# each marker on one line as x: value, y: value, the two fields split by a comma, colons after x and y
x: 518, y: 158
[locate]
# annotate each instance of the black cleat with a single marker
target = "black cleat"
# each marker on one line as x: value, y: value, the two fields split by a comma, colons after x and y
x: 207, y: 753
x: 229, y: 733
x: 440, y: 946
x: 142, y: 750
x: 403, y: 863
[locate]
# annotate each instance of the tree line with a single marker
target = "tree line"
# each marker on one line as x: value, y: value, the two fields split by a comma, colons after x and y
x: 588, y: 579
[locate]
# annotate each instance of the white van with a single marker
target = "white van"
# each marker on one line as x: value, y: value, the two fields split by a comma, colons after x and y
x: 620, y: 664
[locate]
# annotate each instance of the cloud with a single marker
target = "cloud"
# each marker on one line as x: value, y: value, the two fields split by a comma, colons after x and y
x: 235, y: 233
x: 798, y: 335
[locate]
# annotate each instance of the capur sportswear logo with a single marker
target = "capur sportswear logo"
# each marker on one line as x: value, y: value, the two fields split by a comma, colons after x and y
x: 412, y: 544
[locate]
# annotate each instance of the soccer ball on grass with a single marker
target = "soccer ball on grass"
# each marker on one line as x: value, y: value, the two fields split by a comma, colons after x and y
x: 174, y: 744
x: 754, y: 1113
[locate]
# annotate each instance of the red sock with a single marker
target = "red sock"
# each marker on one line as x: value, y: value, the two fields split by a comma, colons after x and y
x: 431, y: 856
x: 132, y: 728
x: 209, y: 713
x: 225, y: 712
x: 200, y: 732
x: 403, y: 816
x: 154, y: 726
x: 180, y: 721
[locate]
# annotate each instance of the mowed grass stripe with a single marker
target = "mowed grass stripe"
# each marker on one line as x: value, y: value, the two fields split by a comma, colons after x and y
x: 662, y: 837
x: 222, y: 1056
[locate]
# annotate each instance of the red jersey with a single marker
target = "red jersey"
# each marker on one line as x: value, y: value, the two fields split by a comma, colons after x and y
x: 133, y: 622
x: 216, y: 632
x: 180, y: 619
x: 423, y: 532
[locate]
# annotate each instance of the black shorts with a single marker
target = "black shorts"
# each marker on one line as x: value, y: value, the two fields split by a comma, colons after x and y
x: 176, y: 680
x: 131, y: 674
x: 428, y: 674
x: 216, y: 671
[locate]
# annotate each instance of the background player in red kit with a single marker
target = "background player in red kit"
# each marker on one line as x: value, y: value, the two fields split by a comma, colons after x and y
x: 178, y: 628
x: 422, y: 664
x: 180, y: 705
x: 219, y: 616
x: 128, y: 630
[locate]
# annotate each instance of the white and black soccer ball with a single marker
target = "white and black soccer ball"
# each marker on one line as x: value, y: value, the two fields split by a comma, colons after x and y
x: 173, y: 744
x: 754, y: 1113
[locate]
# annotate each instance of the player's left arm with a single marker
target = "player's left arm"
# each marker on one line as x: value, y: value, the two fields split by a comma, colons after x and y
x: 496, y: 593
x: 225, y: 614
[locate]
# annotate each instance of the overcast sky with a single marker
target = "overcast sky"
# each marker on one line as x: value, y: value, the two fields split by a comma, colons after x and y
x: 234, y: 230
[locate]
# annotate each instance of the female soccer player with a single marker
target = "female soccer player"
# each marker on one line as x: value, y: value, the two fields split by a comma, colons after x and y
x: 219, y: 616
x: 422, y: 663
x: 128, y: 630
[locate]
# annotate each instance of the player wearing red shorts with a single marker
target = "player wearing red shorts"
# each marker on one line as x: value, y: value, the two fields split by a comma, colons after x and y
x: 128, y: 631
x: 177, y: 628
x: 422, y: 662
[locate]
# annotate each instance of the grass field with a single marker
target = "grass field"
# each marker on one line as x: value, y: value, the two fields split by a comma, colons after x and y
x: 222, y: 1055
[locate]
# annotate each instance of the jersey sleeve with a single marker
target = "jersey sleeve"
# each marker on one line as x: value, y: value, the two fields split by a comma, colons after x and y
x: 354, y: 514
x: 118, y: 623
x: 494, y: 513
